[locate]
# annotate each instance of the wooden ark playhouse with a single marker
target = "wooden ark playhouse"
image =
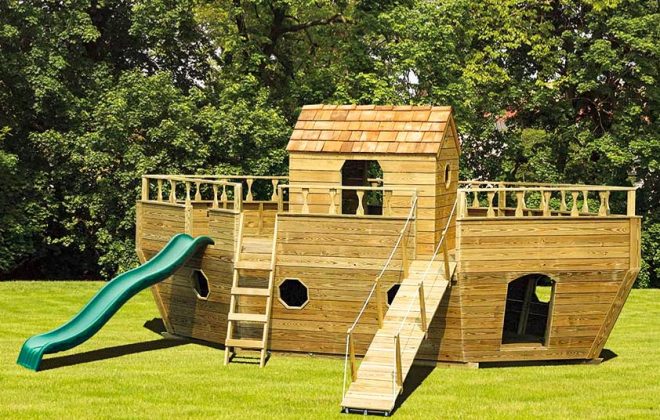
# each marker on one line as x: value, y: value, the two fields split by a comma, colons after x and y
x: 372, y: 249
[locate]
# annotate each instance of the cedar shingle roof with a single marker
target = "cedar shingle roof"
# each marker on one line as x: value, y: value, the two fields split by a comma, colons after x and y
x: 370, y: 129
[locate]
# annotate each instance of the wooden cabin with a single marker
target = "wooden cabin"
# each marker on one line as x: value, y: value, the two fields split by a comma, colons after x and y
x: 372, y: 249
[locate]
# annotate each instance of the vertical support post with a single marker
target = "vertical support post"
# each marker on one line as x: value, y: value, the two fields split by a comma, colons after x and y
x: 273, y: 196
x: 249, y: 196
x: 404, y: 254
x: 546, y: 203
x: 462, y: 204
x: 574, y: 207
x: 160, y: 189
x: 305, y: 205
x: 387, y: 202
x: 351, y: 356
x: 280, y: 199
x: 145, y: 188
x: 397, y: 361
x: 520, y: 202
x: 422, y: 307
x: 215, y: 196
x: 491, y: 211
x: 585, y: 202
x: 260, y: 223
x: 445, y: 254
x: 631, y: 203
x: 379, y: 304
x: 333, y: 207
x: 360, y: 207
x: 238, y: 198
x: 198, y: 191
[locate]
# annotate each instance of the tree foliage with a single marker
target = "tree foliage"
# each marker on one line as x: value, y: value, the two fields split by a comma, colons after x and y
x: 95, y: 93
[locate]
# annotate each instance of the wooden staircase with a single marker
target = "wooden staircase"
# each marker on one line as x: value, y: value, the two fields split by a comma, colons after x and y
x: 255, y: 255
x: 380, y: 376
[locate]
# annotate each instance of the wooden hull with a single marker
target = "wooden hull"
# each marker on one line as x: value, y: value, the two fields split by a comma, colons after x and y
x: 593, y: 262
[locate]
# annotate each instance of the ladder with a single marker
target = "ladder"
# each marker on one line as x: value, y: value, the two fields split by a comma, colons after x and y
x: 253, y: 255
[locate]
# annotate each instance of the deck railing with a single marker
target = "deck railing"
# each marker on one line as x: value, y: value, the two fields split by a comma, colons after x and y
x: 509, y: 199
x: 257, y: 188
x: 402, y: 241
x: 332, y: 196
x: 176, y: 189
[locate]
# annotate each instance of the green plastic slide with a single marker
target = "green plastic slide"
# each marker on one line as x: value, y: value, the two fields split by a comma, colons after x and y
x: 110, y: 298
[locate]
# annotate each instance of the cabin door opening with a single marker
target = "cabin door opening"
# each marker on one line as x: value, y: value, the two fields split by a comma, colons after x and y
x: 528, y: 309
x: 362, y: 173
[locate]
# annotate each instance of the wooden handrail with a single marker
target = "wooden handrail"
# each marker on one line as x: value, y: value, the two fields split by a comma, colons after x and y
x: 199, y: 196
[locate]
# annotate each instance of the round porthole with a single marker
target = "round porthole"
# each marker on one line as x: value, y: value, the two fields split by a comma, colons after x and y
x: 391, y: 293
x: 447, y: 175
x: 293, y: 294
x: 200, y: 284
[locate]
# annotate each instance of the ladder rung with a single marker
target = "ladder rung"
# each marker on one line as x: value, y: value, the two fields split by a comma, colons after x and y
x: 244, y: 343
x: 250, y: 291
x: 253, y: 265
x: 235, y: 316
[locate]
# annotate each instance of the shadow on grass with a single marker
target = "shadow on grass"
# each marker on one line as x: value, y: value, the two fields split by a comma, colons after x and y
x: 108, y: 353
x: 605, y: 356
x: 416, y: 376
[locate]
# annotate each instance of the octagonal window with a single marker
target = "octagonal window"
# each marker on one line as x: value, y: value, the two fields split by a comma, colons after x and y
x: 293, y: 293
x: 200, y: 284
x: 391, y: 293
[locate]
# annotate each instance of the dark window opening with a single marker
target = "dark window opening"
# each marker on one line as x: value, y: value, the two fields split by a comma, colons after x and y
x: 293, y: 293
x: 527, y: 311
x: 361, y: 173
x: 447, y: 176
x: 391, y: 293
x: 200, y: 284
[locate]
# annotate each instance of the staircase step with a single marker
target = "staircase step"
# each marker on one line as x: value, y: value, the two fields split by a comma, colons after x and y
x: 250, y: 291
x: 253, y: 265
x: 244, y: 343
x: 237, y: 316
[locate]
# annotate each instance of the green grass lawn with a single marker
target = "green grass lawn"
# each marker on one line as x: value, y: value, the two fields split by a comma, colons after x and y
x: 189, y: 380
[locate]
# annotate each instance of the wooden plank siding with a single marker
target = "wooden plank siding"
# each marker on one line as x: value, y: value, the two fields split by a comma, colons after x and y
x: 182, y: 311
x: 338, y: 259
x: 589, y: 260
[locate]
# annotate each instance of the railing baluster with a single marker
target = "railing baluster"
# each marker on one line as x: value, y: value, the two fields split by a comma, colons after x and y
x: 249, y: 196
x: 305, y: 205
x: 520, y: 201
x: 215, y: 196
x: 160, y: 189
x: 273, y: 196
x: 224, y: 198
x: 562, y: 205
x: 198, y: 191
x: 604, y: 209
x: 333, y: 206
x: 491, y: 211
x: 546, y: 203
x: 475, y: 200
x: 574, y: 207
x: 172, y: 196
x: 360, y: 208
x: 188, y: 193
x: 585, y: 202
